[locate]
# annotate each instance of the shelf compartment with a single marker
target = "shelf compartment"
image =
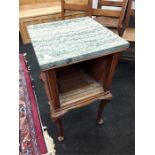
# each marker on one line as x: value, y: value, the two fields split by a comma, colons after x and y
x: 76, y: 86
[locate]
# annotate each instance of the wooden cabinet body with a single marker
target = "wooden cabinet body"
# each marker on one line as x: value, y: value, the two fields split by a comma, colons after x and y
x: 78, y: 85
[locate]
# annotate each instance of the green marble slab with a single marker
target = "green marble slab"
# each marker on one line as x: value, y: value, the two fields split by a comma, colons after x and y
x: 61, y: 43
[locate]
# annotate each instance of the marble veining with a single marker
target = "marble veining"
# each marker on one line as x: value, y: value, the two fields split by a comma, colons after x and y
x: 69, y: 41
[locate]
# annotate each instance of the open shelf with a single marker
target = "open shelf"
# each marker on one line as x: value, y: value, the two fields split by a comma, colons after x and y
x: 76, y: 86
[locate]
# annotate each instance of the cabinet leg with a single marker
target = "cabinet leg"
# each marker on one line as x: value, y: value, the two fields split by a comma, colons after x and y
x: 100, y: 119
x: 59, y: 129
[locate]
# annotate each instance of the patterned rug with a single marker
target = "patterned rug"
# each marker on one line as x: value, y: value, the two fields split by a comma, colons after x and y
x: 31, y: 135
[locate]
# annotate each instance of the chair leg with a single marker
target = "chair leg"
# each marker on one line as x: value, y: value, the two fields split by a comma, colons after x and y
x: 100, y: 119
x: 59, y: 129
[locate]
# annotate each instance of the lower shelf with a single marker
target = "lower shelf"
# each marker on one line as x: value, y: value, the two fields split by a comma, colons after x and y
x: 76, y: 86
x: 77, y: 89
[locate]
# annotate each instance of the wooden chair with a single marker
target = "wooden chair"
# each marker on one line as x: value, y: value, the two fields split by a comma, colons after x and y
x: 76, y: 7
x: 129, y: 32
x: 110, y: 13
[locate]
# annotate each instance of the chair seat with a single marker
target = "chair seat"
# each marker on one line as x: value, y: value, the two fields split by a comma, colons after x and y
x: 108, y: 21
x: 129, y: 34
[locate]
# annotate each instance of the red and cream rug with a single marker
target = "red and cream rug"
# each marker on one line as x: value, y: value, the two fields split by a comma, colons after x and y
x: 33, y: 140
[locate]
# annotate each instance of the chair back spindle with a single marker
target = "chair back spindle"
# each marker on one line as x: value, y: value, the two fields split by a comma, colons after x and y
x: 130, y: 12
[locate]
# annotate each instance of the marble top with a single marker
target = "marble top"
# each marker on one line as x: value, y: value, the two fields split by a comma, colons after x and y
x: 65, y: 42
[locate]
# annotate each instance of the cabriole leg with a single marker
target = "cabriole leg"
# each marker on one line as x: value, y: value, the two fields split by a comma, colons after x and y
x: 100, y: 119
x: 59, y: 129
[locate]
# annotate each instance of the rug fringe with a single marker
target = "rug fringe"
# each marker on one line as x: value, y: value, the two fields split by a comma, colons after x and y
x: 49, y: 142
